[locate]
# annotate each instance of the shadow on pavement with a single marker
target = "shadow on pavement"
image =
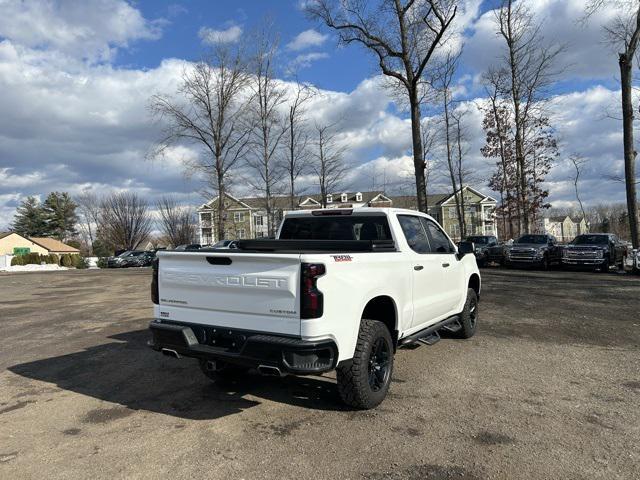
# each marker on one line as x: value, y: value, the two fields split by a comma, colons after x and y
x: 130, y: 374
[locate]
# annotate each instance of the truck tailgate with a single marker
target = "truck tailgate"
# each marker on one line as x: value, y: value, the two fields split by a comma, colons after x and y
x: 257, y: 292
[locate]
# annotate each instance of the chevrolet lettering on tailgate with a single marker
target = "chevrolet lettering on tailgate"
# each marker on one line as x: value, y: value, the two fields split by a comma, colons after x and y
x: 250, y: 281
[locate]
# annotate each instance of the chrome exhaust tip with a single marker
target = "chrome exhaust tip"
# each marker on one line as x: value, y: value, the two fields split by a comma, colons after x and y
x: 270, y: 371
x: 170, y: 353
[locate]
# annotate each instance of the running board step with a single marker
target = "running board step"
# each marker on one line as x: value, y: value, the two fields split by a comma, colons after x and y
x: 430, y: 335
x: 430, y: 339
x: 453, y: 327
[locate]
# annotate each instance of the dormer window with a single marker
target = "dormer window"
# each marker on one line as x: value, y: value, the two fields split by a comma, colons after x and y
x: 343, y: 197
x: 329, y: 198
x: 358, y: 197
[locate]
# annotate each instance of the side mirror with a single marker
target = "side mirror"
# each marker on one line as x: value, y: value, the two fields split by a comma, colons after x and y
x: 465, y: 248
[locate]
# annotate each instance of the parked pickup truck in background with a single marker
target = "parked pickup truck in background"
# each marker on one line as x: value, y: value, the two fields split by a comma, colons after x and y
x: 541, y: 250
x: 487, y: 249
x: 596, y: 250
x: 338, y: 289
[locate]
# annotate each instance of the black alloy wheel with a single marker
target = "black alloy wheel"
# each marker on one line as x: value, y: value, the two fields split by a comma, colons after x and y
x: 379, y: 365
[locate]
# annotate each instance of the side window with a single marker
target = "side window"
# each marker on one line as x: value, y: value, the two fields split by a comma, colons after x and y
x: 414, y: 233
x: 438, y: 240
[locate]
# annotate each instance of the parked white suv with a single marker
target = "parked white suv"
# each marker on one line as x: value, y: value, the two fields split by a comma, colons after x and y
x: 339, y: 289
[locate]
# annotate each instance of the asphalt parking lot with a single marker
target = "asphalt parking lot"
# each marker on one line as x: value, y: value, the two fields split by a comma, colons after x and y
x: 548, y: 388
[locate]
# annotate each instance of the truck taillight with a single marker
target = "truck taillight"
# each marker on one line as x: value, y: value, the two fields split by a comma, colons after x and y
x: 311, y: 300
x: 155, y: 293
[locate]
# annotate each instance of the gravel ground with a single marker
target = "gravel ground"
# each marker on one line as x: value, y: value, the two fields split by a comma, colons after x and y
x: 548, y: 388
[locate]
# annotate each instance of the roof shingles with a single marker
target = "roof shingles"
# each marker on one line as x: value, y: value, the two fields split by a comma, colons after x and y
x: 53, y: 245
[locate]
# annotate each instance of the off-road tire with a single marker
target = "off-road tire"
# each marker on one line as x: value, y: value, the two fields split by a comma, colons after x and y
x: 604, y: 268
x: 353, y: 379
x: 225, y: 371
x: 469, y: 315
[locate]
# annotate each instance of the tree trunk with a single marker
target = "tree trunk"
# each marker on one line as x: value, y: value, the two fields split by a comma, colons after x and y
x: 626, y: 79
x: 463, y: 232
x: 220, y: 219
x: 418, y: 160
x: 291, y: 163
x: 452, y: 175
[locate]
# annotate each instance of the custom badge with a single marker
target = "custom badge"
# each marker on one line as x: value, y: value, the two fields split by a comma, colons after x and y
x: 342, y: 258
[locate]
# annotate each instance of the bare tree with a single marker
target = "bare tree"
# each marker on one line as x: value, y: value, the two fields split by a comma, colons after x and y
x: 125, y: 220
x: 297, y: 138
x: 428, y: 145
x: 442, y: 81
x: 624, y: 34
x: 176, y: 222
x: 460, y: 170
x: 89, y: 205
x: 578, y: 163
x: 210, y: 114
x: 327, y: 164
x: 499, y: 144
x: 403, y: 36
x: 268, y: 127
x: 530, y: 63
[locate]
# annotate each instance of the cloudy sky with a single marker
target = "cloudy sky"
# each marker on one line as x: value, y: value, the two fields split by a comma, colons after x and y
x: 76, y: 77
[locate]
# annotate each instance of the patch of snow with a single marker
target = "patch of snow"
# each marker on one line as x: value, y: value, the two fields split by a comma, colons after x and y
x: 32, y: 268
x: 93, y: 262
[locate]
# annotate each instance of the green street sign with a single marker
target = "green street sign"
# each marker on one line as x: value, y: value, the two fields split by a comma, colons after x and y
x: 21, y: 250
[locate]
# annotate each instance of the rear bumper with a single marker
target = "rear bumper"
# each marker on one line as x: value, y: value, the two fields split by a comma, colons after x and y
x: 241, y: 347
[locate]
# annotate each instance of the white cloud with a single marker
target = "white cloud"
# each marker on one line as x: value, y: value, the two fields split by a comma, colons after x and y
x: 306, y: 59
x: 209, y: 36
x: 307, y: 39
x: 586, y: 54
x: 90, y: 30
x: 304, y: 4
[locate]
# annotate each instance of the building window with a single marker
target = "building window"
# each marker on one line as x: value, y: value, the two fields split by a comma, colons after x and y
x: 358, y: 197
x: 259, y: 234
x: 259, y: 219
x: 238, y: 217
x: 241, y: 233
x: 205, y: 219
x: 343, y: 197
x: 452, y: 212
x: 329, y: 198
x: 454, y: 229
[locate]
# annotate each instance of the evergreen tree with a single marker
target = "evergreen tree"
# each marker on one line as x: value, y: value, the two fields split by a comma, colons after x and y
x: 60, y: 215
x: 29, y: 220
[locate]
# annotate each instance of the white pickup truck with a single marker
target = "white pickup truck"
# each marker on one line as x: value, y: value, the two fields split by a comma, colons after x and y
x: 338, y: 289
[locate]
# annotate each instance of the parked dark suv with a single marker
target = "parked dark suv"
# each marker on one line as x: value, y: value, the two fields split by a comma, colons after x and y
x: 541, y: 250
x: 131, y: 258
x: 486, y: 249
x: 595, y: 250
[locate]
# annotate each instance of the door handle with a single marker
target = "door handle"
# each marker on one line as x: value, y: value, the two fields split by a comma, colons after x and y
x: 445, y: 265
x: 418, y: 267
